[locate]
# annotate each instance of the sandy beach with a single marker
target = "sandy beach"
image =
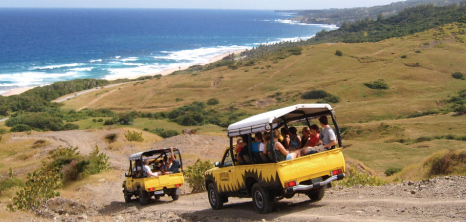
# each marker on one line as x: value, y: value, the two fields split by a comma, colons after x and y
x: 18, y: 91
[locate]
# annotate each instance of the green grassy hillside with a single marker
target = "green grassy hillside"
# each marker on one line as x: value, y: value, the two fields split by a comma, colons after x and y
x: 417, y: 69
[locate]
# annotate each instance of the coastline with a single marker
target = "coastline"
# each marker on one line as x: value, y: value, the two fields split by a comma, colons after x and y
x: 17, y: 91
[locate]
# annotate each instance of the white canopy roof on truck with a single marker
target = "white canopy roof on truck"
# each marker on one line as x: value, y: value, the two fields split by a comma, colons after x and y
x: 261, y: 122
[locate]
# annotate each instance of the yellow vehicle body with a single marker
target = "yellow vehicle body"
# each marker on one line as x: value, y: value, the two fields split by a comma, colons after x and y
x: 143, y: 186
x: 151, y: 184
x: 233, y: 180
x: 272, y: 180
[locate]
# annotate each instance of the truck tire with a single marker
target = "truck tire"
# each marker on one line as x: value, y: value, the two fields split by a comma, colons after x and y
x: 215, y: 200
x: 317, y: 194
x: 127, y: 196
x: 261, y: 199
x: 176, y: 197
x: 143, y: 197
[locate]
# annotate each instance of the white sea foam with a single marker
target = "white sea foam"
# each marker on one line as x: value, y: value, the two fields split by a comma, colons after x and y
x: 132, y: 64
x: 129, y: 59
x: 331, y: 27
x: 288, y: 21
x: 201, y: 55
x: 95, y: 60
x: 54, y: 66
x: 34, y: 78
x: 293, y: 22
x: 133, y: 72
x: 176, y: 59
x: 83, y: 69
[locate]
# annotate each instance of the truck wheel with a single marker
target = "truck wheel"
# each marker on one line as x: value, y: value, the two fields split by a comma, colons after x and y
x: 261, y: 199
x: 215, y: 199
x: 317, y: 195
x: 143, y: 197
x: 127, y: 196
x: 176, y: 197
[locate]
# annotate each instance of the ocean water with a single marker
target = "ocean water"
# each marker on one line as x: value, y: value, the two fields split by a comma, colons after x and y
x: 42, y: 46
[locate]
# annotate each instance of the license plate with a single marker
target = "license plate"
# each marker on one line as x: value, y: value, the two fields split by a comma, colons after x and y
x: 158, y: 192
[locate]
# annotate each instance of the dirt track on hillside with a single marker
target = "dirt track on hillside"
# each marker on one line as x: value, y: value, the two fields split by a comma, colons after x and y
x: 439, y: 199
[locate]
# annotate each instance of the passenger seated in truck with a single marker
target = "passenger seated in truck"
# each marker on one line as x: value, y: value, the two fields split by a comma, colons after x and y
x: 147, y: 171
x: 282, y: 153
x: 327, y: 138
x: 257, y: 141
x: 157, y: 166
x: 255, y: 147
x: 137, y: 170
x: 327, y: 135
x: 171, y: 165
x: 243, y: 151
x: 295, y: 139
x: 312, y: 142
x: 263, y: 145
x: 284, y: 138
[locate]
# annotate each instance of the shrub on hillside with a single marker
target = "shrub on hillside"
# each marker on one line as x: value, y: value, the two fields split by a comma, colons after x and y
x: 134, y: 136
x: 354, y: 177
x: 212, y: 101
x: 125, y: 119
x: 195, y: 175
x: 109, y: 122
x: 330, y: 99
x: 392, y: 170
x: 458, y: 75
x: 165, y: 133
x: 379, y: 84
x: 322, y: 95
x: 338, y: 53
x: 20, y: 128
x: 450, y: 163
x: 40, y: 186
x: 98, y: 162
x: 10, y: 182
x: 314, y: 94
x: 63, y: 165
x: 457, y: 103
x: 43, y: 121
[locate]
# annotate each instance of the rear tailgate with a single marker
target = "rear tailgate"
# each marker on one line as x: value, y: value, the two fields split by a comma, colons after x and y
x: 311, y: 166
x: 168, y: 181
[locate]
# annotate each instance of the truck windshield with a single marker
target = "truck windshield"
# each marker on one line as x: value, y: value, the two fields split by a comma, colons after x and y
x: 227, y: 161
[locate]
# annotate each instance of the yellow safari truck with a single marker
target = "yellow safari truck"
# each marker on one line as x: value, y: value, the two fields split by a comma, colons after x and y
x: 264, y: 177
x: 165, y: 176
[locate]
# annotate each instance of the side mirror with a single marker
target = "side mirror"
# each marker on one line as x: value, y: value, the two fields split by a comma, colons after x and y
x: 217, y: 164
x: 126, y: 174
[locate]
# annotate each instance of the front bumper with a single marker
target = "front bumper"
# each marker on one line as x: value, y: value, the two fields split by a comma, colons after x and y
x: 304, y: 188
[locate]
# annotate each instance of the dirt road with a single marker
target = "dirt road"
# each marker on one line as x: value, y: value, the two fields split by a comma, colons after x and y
x: 439, y: 199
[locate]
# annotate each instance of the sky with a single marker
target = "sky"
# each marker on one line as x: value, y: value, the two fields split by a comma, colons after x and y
x: 196, y: 4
